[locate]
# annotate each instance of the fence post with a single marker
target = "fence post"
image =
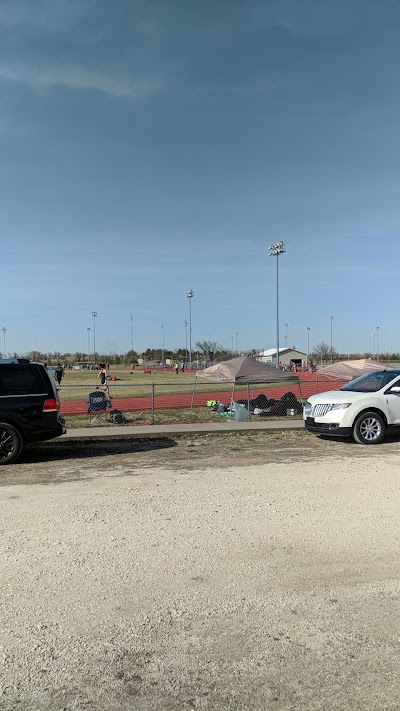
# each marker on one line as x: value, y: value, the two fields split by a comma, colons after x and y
x: 248, y: 402
x: 152, y: 403
x: 300, y: 393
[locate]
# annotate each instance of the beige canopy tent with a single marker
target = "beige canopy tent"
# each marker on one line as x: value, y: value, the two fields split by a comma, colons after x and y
x: 350, y: 369
x: 243, y: 370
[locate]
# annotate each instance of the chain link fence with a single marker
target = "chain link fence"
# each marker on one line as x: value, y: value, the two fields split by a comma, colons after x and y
x: 185, y: 402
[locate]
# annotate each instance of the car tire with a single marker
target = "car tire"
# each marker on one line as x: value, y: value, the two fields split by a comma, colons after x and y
x: 369, y: 428
x: 10, y: 443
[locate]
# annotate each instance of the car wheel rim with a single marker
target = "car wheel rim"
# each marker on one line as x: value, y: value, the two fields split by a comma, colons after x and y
x: 370, y: 429
x: 6, y: 445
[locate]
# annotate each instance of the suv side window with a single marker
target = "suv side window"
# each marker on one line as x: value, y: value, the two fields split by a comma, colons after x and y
x: 22, y: 380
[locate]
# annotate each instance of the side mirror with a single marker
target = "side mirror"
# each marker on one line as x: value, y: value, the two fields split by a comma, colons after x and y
x: 395, y: 389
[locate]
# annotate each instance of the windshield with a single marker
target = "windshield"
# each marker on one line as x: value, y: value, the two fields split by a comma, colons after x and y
x: 370, y: 383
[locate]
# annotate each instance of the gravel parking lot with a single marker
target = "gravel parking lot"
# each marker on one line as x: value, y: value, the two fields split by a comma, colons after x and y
x: 255, y: 571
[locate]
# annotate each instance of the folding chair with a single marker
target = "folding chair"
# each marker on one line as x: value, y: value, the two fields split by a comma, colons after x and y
x: 97, y: 406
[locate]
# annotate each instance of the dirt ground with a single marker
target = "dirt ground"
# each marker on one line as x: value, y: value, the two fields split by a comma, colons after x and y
x: 234, y: 571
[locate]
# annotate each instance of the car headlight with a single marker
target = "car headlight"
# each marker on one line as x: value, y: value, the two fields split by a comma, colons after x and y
x: 341, y: 405
x: 307, y: 409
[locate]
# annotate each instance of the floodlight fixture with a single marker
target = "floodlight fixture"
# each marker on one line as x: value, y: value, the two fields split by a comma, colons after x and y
x: 276, y: 249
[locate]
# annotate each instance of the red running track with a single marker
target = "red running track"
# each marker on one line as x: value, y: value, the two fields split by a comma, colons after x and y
x: 305, y: 388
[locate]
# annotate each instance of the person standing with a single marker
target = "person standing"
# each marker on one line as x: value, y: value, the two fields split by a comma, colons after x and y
x: 176, y: 368
x: 59, y: 374
x: 313, y: 367
x: 102, y: 374
x: 103, y: 378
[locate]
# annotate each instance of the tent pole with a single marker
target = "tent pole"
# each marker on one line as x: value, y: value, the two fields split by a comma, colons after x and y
x: 301, y: 394
x: 194, y: 389
x: 248, y: 402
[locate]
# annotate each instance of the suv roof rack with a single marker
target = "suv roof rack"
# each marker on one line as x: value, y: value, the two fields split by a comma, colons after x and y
x: 13, y: 360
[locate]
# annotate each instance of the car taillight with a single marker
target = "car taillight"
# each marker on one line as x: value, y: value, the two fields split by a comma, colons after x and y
x: 50, y: 404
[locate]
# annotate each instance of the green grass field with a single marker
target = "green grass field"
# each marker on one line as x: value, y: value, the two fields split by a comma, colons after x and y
x: 78, y: 377
x: 77, y: 384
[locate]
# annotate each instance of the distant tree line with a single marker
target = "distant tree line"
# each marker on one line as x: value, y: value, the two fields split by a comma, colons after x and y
x: 209, y: 351
x: 204, y: 351
x: 324, y: 352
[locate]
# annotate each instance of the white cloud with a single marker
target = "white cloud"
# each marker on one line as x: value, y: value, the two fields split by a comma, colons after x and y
x: 76, y: 78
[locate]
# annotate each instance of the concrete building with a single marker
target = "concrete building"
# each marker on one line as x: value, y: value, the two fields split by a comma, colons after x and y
x: 287, y: 356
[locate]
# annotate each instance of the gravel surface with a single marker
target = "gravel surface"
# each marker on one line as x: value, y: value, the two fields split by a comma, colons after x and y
x: 216, y: 572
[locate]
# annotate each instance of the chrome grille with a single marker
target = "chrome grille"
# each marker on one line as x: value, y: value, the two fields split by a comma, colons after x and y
x: 320, y: 410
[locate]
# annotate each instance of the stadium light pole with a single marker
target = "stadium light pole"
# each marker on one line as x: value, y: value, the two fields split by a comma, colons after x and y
x: 377, y: 342
x: 236, y: 335
x: 88, y: 344
x: 163, y: 343
x: 274, y: 251
x: 4, y: 340
x: 94, y: 316
x: 132, y: 335
x: 185, y: 323
x: 232, y: 337
x: 189, y: 295
x: 332, y: 320
x: 308, y: 343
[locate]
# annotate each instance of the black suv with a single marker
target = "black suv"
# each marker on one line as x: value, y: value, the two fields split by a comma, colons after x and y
x: 29, y: 407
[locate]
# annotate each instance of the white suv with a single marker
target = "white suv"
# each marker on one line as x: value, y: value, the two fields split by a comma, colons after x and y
x: 363, y: 409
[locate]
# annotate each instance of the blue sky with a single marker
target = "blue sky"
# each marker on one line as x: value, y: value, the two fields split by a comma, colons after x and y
x: 149, y: 148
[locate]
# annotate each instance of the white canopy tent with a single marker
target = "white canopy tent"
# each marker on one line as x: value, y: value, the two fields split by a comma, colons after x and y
x: 350, y: 369
x: 243, y: 370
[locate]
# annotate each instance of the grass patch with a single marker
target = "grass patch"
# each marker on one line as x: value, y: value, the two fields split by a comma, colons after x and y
x: 162, y: 417
x: 169, y: 417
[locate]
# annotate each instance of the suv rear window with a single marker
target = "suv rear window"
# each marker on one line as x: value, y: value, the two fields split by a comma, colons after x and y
x: 22, y: 380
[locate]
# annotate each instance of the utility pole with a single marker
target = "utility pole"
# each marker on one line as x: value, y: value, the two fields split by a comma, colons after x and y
x: 189, y: 295
x: 88, y: 344
x: 185, y: 323
x: 94, y: 316
x: 274, y: 251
